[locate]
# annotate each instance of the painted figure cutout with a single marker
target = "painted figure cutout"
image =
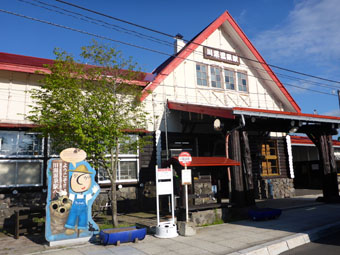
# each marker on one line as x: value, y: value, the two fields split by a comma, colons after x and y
x: 81, y: 191
x: 71, y: 192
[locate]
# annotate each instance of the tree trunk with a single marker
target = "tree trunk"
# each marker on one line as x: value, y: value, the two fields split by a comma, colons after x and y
x: 113, y: 187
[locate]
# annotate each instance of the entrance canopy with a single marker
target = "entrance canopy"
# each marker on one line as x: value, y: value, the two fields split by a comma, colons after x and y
x: 212, y: 161
x: 261, y: 119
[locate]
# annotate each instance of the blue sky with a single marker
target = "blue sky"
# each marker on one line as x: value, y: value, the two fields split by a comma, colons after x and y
x: 299, y: 35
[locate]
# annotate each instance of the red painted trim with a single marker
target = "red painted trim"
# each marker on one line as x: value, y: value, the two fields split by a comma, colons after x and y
x: 203, y: 36
x: 208, y: 110
x: 17, y: 125
x: 263, y: 62
x: 287, y: 113
x: 183, y: 55
x: 27, y: 64
x: 22, y: 68
x: 212, y: 161
x: 306, y: 140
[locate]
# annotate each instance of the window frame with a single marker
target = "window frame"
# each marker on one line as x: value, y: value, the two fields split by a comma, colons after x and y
x: 234, y: 77
x: 264, y: 159
x: 211, y: 75
x: 207, y: 74
x: 124, y: 158
x: 41, y: 161
x: 247, y: 81
x: 19, y: 132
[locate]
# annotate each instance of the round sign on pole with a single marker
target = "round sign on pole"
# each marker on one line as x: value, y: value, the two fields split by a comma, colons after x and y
x: 184, y: 158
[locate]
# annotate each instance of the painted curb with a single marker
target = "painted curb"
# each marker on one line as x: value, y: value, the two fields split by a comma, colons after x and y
x: 290, y: 242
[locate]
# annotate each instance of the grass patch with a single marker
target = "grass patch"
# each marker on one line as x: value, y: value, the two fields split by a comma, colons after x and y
x: 108, y: 224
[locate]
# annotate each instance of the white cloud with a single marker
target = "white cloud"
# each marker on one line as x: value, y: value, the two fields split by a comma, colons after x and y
x: 310, y: 32
x: 333, y: 113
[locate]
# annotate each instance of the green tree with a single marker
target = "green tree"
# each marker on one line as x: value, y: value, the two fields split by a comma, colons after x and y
x: 91, y: 104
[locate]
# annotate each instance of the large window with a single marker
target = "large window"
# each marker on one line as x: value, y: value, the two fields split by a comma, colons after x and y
x: 215, y: 77
x: 202, y: 75
x: 229, y: 79
x: 128, y: 165
x: 242, y: 82
x: 21, y: 159
x: 269, y: 158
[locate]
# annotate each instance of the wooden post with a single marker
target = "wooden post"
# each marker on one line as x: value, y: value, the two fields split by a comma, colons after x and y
x: 238, y: 196
x: 17, y: 222
x: 327, y: 161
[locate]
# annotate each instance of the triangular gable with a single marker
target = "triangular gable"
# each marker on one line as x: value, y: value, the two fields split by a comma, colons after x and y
x: 169, y: 65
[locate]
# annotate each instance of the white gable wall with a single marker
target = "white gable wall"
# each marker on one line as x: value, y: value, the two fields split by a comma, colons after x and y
x: 14, y: 96
x: 181, y: 85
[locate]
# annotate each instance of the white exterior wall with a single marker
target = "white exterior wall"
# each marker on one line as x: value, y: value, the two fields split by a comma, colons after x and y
x: 14, y: 96
x: 181, y: 86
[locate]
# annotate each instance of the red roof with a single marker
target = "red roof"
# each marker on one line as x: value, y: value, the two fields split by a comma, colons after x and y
x: 203, y: 109
x: 230, y: 113
x: 212, y: 161
x: 304, y: 140
x: 27, y: 64
x: 173, y: 62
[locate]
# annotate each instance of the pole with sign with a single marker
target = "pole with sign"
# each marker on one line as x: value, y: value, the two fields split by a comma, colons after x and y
x: 185, y: 159
x: 164, y: 186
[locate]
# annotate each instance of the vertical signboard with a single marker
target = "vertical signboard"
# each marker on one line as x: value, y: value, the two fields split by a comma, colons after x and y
x: 71, y: 192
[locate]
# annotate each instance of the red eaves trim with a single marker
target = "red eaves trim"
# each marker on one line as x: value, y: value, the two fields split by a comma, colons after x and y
x: 287, y: 113
x: 212, y: 161
x: 183, y: 55
x: 17, y: 125
x: 306, y: 140
x: 208, y: 110
x: 263, y: 62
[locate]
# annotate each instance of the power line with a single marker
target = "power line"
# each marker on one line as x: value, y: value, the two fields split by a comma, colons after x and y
x: 83, y: 32
x: 114, y: 18
x: 172, y: 36
x: 154, y: 39
x: 128, y: 44
x: 94, y: 21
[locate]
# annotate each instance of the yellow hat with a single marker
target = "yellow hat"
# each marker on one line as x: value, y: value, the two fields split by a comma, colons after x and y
x: 81, y: 169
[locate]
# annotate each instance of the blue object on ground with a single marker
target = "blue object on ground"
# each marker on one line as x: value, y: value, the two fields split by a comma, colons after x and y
x: 264, y: 213
x: 123, y: 235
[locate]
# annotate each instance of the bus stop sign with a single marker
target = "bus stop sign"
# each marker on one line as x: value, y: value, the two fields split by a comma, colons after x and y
x: 184, y: 158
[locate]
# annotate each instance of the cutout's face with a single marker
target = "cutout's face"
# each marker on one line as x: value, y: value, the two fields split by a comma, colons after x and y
x: 80, y: 182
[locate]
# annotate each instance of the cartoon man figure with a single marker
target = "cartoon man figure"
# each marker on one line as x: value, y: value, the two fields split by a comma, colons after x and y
x: 80, y: 194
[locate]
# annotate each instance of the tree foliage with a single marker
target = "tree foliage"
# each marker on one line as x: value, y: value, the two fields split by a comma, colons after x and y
x: 91, y: 104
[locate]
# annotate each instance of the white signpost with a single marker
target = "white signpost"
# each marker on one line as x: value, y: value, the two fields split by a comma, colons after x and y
x: 185, y: 159
x: 164, y: 186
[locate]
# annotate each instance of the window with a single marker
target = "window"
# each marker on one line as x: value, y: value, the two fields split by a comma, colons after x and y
x: 17, y: 168
x: 21, y: 173
x: 229, y: 79
x: 242, y: 82
x: 20, y: 143
x: 215, y: 77
x: 202, y: 75
x: 269, y: 158
x: 128, y: 164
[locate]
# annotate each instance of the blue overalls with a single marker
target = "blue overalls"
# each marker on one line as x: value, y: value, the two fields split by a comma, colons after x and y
x: 78, y: 210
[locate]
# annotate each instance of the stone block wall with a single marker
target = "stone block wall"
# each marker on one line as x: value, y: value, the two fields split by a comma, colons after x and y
x: 9, y: 201
x: 274, y: 188
x: 205, y: 217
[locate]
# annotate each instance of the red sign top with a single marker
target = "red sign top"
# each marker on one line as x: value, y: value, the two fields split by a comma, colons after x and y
x: 184, y: 158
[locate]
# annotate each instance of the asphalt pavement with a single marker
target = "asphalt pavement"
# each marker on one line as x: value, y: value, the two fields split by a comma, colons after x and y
x: 303, y: 220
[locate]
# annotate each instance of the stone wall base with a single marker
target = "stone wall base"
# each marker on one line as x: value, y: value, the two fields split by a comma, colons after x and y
x: 208, y: 217
x: 274, y: 188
